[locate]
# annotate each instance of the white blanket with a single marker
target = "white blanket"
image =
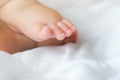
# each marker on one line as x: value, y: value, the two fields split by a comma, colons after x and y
x: 95, y: 57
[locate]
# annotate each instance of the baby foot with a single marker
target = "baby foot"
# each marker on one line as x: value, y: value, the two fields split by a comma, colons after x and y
x: 35, y: 20
x: 13, y: 42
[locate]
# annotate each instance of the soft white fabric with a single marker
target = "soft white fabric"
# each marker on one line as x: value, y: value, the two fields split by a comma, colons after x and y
x: 95, y: 57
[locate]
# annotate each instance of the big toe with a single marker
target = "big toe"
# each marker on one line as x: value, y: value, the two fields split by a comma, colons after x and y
x: 39, y: 32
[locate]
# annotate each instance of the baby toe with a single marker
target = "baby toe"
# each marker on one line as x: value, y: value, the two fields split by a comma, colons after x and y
x: 46, y: 33
x: 65, y: 28
x: 40, y: 32
x: 69, y: 23
x: 58, y: 32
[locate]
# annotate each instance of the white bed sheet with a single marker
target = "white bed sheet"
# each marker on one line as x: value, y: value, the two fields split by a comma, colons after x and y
x: 95, y: 57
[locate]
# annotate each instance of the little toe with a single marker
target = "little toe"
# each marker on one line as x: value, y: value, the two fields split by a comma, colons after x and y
x: 58, y: 32
x: 65, y: 28
x: 69, y: 23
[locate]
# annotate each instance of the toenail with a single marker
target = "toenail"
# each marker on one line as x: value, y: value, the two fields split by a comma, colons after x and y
x: 69, y: 32
x: 59, y: 23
